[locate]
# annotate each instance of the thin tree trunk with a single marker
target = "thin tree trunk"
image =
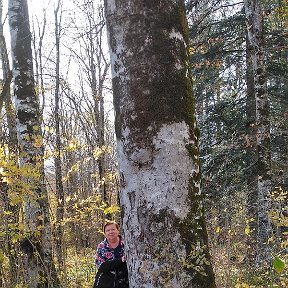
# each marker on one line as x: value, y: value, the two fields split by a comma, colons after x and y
x: 37, y: 245
x: 251, y: 156
x: 57, y: 158
x: 254, y: 20
x: 157, y: 138
x: 13, y: 216
x: 95, y: 60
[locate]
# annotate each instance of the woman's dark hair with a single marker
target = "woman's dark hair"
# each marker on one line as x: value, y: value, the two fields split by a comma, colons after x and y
x: 110, y: 222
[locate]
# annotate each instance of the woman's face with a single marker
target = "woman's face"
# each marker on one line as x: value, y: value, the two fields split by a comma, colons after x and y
x: 111, y: 233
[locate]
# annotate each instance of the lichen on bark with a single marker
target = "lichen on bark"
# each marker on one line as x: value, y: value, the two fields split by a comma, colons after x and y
x: 157, y: 140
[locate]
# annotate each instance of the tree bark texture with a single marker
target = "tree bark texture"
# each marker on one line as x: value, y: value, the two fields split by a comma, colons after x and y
x: 157, y: 139
x: 12, y: 249
x: 37, y: 243
x: 251, y: 154
x: 254, y: 21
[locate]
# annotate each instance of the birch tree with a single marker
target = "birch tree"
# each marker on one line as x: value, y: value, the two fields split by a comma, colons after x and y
x: 254, y: 20
x: 36, y: 244
x: 157, y: 137
x: 12, y: 211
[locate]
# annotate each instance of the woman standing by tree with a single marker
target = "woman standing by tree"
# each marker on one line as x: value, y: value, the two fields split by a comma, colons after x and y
x: 157, y: 139
x: 111, y: 259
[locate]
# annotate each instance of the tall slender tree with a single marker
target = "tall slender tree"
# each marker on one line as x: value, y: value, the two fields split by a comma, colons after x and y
x: 92, y: 58
x: 157, y: 139
x: 37, y: 242
x: 251, y: 154
x: 255, y: 32
x: 12, y: 211
x: 58, y: 145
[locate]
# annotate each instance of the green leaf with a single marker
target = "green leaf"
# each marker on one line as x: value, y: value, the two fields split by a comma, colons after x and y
x: 278, y: 265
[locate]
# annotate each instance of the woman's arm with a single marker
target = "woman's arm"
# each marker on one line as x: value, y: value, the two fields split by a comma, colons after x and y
x: 110, y: 265
x: 103, y: 264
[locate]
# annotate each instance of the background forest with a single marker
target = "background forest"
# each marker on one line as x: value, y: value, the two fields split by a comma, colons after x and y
x: 73, y: 88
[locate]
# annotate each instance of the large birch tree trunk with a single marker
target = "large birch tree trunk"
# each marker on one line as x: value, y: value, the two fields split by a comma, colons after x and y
x: 254, y: 20
x: 37, y: 243
x: 157, y: 137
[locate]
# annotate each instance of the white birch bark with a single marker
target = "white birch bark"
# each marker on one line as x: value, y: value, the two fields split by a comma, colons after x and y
x: 254, y: 20
x: 37, y: 243
x: 13, y: 251
x: 163, y: 221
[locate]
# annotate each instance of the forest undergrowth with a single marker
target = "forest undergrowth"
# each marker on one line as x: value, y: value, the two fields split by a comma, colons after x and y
x: 228, y: 246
